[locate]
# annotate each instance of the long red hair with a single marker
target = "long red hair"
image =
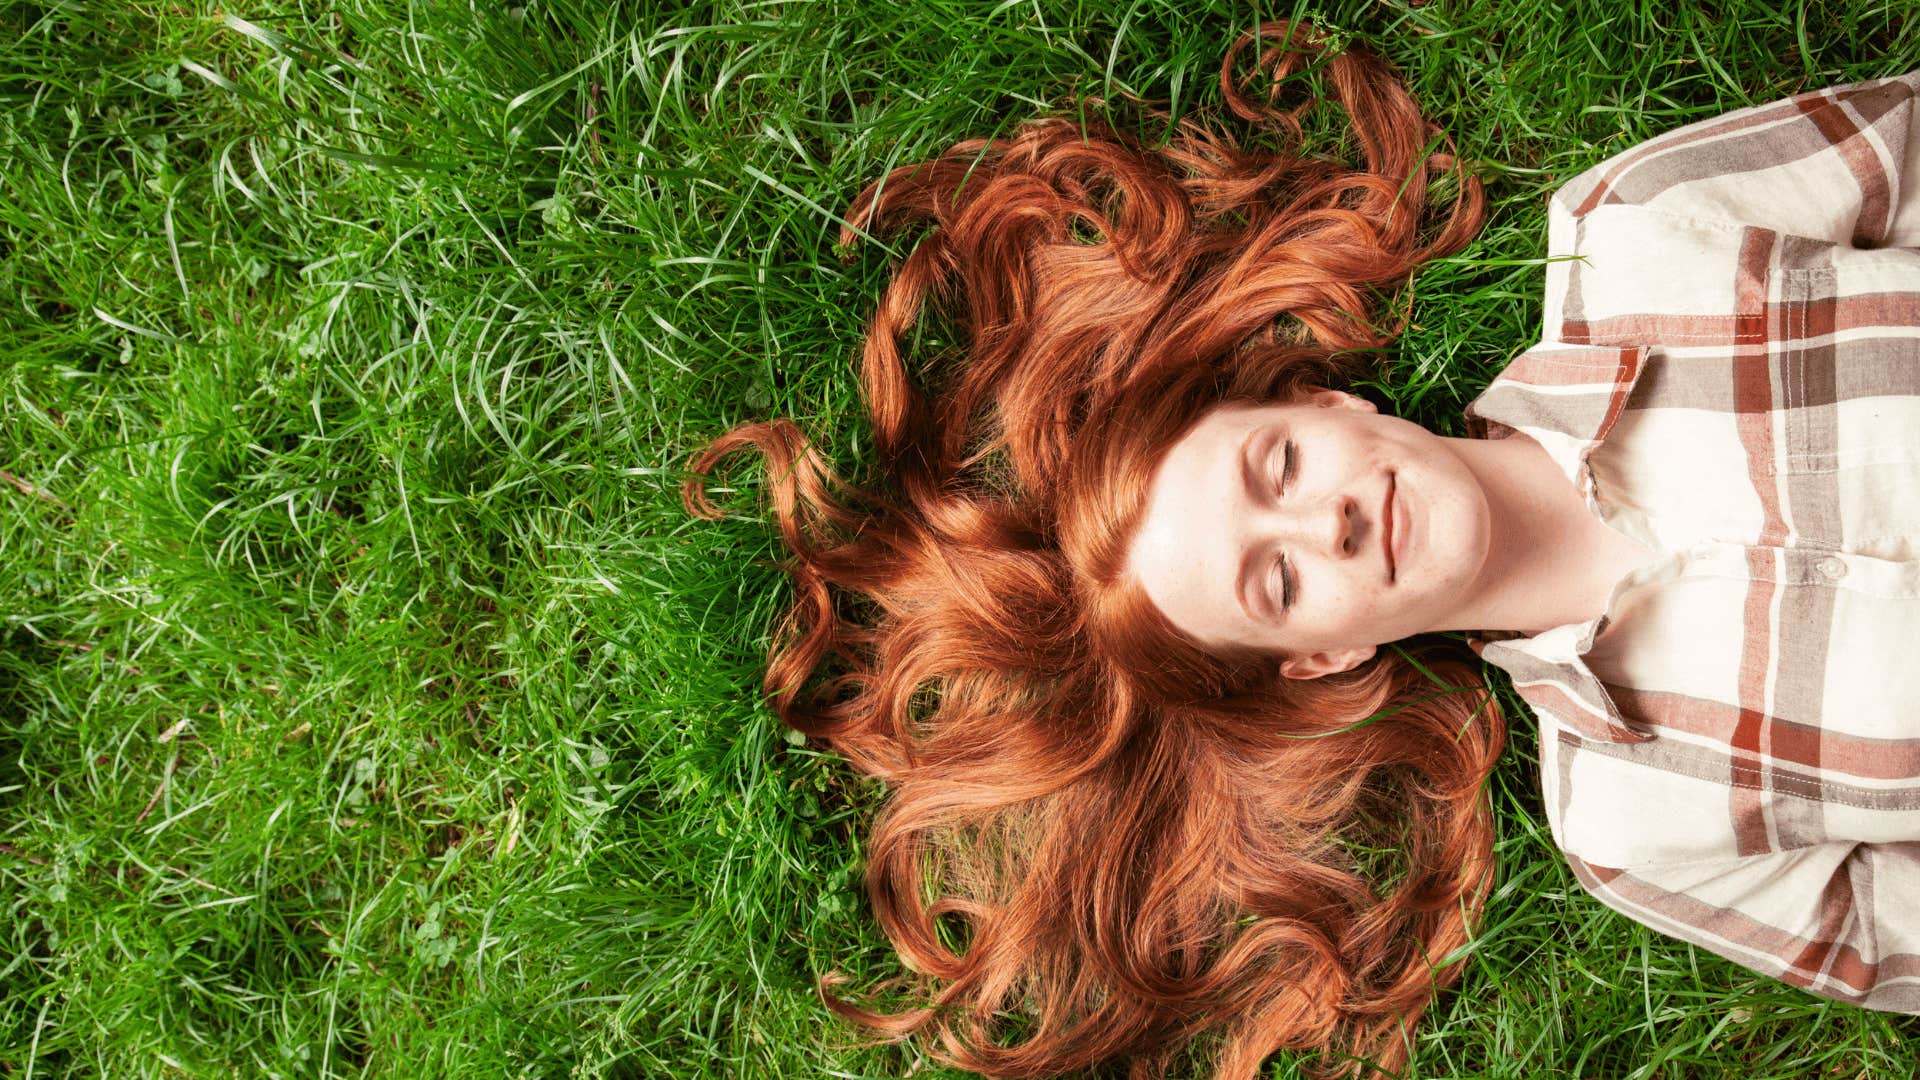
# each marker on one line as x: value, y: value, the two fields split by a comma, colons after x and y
x: 1102, y: 842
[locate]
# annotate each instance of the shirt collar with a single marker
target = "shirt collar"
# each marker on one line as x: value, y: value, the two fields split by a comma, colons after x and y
x: 1566, y: 398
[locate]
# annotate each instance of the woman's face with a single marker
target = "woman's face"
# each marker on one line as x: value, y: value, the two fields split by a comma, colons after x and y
x: 1316, y: 530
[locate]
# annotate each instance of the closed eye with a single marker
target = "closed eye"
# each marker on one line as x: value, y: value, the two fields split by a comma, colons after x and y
x: 1281, y: 580
x: 1289, y: 469
x: 1288, y: 466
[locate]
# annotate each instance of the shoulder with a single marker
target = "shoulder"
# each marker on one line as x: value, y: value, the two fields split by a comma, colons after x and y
x: 1805, y: 129
x: 1672, y: 241
x: 1825, y: 164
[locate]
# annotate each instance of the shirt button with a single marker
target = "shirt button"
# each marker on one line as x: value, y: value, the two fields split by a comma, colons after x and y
x: 1832, y: 568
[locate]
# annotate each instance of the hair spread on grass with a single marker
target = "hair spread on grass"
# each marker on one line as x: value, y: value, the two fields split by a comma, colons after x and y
x: 1103, y: 843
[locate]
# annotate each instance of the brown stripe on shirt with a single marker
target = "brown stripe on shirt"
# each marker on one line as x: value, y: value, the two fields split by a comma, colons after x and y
x: 1608, y: 175
x: 1843, y: 123
x: 1518, y: 406
x: 1882, y: 366
x: 1745, y: 803
x: 1794, y: 742
x: 1617, y: 330
x: 1807, y: 363
x: 1574, y: 367
x: 1836, y: 903
x: 1804, y: 632
x: 1720, y: 766
x: 1728, y: 923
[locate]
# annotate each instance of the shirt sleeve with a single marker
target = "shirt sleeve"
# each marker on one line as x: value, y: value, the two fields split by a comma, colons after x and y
x: 1836, y: 919
x: 1840, y: 164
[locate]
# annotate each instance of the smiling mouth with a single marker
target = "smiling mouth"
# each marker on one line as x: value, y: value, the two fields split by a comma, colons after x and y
x: 1386, y: 529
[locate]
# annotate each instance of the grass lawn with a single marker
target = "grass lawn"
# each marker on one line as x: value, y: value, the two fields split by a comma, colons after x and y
x: 368, y: 706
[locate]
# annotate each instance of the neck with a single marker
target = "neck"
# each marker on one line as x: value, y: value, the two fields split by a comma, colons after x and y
x: 1551, y: 561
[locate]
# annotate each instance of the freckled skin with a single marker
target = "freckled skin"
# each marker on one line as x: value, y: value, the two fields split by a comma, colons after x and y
x: 1215, y: 507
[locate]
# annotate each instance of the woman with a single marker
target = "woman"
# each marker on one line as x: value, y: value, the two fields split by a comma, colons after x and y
x: 1111, y: 626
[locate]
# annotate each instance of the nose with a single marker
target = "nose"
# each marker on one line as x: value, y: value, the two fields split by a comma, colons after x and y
x: 1328, y: 526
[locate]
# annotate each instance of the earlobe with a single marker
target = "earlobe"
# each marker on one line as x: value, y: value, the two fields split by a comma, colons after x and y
x: 1314, y: 665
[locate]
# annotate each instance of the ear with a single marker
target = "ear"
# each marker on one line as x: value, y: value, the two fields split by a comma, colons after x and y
x: 1314, y: 665
x: 1339, y: 399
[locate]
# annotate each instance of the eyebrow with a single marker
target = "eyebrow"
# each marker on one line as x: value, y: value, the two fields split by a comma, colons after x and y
x: 1242, y: 576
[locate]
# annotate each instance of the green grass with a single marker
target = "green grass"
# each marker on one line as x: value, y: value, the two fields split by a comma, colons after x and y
x: 368, y: 707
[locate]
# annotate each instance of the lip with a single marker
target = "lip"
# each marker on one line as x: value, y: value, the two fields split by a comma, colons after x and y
x: 1389, y: 538
x: 1403, y: 524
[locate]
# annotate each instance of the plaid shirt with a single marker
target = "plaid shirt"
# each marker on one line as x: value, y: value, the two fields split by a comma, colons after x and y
x: 1731, y: 376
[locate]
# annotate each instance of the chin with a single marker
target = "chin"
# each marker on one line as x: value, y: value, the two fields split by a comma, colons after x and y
x: 1452, y: 549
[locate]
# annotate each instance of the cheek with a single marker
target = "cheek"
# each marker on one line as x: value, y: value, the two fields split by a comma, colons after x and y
x: 1359, y: 607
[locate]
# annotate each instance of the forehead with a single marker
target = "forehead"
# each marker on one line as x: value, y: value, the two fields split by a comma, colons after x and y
x: 1215, y: 436
x: 1186, y: 554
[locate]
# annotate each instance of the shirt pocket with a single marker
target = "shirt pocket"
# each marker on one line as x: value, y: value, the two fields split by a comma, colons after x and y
x: 1844, y: 339
x: 1845, y: 351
